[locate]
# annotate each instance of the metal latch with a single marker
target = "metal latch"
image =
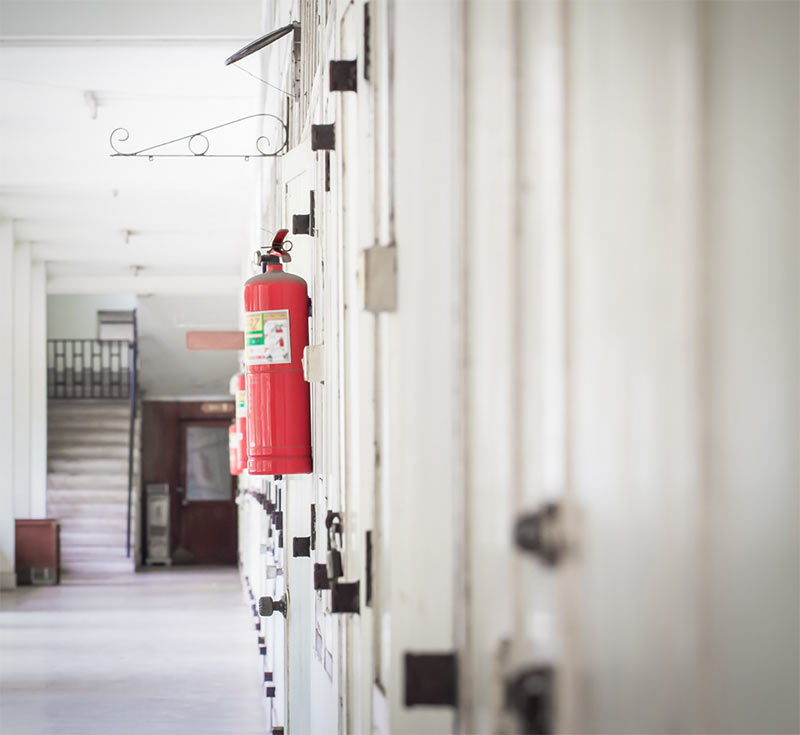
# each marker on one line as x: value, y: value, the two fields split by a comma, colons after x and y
x: 431, y: 679
x: 333, y: 522
x: 530, y: 695
x: 542, y: 533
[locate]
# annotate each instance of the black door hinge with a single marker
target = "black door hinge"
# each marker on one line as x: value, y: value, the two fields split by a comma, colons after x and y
x: 303, y: 224
x: 323, y: 137
x: 301, y: 546
x: 345, y: 597
x: 431, y: 679
x: 343, y: 76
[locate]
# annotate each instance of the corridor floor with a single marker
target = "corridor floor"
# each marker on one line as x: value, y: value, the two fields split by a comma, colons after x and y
x: 162, y: 652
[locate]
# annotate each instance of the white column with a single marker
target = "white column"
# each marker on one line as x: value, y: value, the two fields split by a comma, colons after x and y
x: 38, y: 390
x: 8, y: 578
x: 21, y: 379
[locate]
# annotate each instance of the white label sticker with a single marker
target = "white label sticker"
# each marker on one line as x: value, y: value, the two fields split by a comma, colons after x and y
x: 266, y: 338
x: 241, y: 404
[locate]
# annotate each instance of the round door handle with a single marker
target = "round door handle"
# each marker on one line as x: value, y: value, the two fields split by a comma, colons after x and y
x: 267, y: 606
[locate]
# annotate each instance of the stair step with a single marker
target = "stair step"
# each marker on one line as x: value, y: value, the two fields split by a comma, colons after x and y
x: 77, y: 405
x: 71, y: 539
x: 87, y: 438
x: 89, y: 466
x: 62, y: 451
x: 80, y: 496
x: 88, y: 422
x: 58, y: 402
x: 115, y: 549
x: 101, y: 522
x: 84, y: 509
x: 70, y: 481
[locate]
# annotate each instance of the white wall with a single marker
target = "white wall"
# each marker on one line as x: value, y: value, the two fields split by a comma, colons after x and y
x: 100, y: 18
x: 752, y: 364
x: 166, y: 367
x: 74, y: 316
x: 7, y: 574
x: 594, y: 209
x: 30, y: 384
x: 23, y: 382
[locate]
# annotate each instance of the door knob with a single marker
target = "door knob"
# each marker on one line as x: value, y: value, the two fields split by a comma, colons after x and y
x: 542, y: 533
x: 267, y: 606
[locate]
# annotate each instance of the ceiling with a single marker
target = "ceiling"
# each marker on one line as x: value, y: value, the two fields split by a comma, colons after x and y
x: 168, y: 233
x: 72, y: 72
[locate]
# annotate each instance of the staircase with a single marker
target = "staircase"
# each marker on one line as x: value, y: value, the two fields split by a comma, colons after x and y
x: 87, y: 484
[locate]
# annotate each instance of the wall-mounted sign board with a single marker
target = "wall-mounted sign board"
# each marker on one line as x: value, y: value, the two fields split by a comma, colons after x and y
x: 214, y: 340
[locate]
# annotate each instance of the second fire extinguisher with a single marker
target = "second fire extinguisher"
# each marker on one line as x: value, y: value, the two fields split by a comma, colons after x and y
x: 238, y: 434
x: 233, y: 450
x: 276, y: 307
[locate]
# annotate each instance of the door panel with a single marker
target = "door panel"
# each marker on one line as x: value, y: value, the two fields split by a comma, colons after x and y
x: 207, y: 527
x: 206, y: 473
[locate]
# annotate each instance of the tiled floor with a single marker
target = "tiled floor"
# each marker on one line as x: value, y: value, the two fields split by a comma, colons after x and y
x: 165, y: 652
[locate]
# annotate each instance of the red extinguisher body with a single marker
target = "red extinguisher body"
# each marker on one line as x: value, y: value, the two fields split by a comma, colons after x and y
x: 233, y: 450
x: 278, y: 402
x: 239, y: 437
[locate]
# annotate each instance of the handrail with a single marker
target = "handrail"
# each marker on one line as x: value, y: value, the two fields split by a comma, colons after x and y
x: 88, y: 368
x: 131, y: 433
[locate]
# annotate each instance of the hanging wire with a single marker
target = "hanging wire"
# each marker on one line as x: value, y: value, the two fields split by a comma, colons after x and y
x: 255, y: 76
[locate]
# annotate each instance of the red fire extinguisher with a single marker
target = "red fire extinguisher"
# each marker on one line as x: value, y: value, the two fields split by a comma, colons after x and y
x: 276, y: 332
x: 233, y: 449
x: 238, y: 437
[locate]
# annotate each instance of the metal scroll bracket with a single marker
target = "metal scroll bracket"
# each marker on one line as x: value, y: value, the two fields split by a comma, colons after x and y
x: 199, y: 145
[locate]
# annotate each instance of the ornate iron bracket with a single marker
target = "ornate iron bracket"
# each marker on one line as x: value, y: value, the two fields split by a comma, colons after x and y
x: 199, y: 145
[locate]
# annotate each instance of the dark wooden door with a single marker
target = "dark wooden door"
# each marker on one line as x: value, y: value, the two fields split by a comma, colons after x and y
x: 206, y: 512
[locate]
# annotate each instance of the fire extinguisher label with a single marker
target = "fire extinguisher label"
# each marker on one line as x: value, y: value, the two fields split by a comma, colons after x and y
x: 241, y: 405
x: 266, y: 338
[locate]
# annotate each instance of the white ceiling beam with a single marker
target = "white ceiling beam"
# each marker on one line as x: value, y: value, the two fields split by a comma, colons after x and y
x: 163, y: 253
x: 143, y: 284
x: 118, y: 40
x: 127, y: 18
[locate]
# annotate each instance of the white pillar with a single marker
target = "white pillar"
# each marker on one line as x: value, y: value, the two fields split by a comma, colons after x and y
x: 38, y: 390
x: 8, y: 577
x: 21, y: 379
